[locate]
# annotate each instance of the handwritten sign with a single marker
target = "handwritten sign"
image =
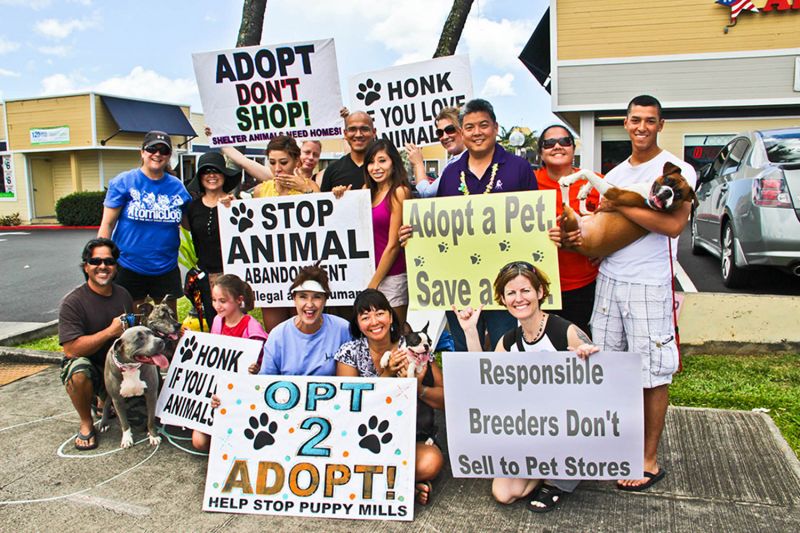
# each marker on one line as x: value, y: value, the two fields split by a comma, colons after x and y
x: 460, y: 244
x: 266, y: 241
x: 544, y: 415
x: 314, y: 446
x: 256, y: 93
x: 404, y: 101
x: 200, y: 361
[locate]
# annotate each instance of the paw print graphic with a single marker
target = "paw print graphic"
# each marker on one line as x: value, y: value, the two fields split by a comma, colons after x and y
x: 419, y: 261
x: 242, y: 217
x: 373, y: 434
x: 188, y: 349
x: 505, y: 246
x: 538, y: 255
x: 369, y: 92
x: 261, y: 431
x: 443, y: 247
x: 475, y: 258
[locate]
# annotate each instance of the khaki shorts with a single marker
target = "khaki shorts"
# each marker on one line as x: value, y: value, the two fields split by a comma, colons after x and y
x: 70, y: 367
x: 395, y: 288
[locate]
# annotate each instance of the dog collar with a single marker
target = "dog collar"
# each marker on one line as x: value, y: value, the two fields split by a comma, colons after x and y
x: 125, y: 367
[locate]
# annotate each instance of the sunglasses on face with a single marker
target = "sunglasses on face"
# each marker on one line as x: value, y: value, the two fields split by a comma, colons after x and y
x: 209, y: 170
x: 160, y: 148
x: 563, y: 141
x: 450, y: 130
x: 97, y: 261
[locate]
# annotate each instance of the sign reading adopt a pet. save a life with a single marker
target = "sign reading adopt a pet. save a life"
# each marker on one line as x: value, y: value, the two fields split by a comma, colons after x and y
x: 265, y: 241
x: 545, y: 415
x: 201, y: 360
x: 256, y: 93
x: 314, y: 446
x: 404, y: 101
x: 460, y: 244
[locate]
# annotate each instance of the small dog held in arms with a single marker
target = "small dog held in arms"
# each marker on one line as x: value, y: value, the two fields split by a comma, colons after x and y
x: 131, y: 370
x: 418, y: 346
x: 605, y: 232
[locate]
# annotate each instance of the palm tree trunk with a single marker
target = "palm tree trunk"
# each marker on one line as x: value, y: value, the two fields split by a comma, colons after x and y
x: 252, y: 23
x: 453, y: 26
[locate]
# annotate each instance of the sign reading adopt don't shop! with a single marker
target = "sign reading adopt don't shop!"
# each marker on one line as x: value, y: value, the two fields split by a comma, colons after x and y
x: 256, y: 93
x: 266, y: 241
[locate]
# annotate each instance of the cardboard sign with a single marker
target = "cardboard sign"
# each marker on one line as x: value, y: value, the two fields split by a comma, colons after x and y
x: 404, y: 101
x: 200, y: 361
x: 460, y: 244
x: 256, y: 93
x: 265, y: 241
x: 547, y: 415
x: 314, y: 446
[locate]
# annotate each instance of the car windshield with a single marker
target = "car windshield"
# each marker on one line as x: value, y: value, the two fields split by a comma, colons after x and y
x: 782, y: 146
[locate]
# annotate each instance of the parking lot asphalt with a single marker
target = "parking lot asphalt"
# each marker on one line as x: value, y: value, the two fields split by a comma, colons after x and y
x: 727, y: 471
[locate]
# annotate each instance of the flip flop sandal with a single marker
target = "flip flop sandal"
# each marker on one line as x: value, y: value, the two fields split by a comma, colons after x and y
x: 92, y: 435
x: 418, y: 491
x: 652, y: 479
x: 547, y: 496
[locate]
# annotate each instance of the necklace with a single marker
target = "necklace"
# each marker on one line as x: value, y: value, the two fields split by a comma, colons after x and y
x: 489, y: 186
x: 538, y: 332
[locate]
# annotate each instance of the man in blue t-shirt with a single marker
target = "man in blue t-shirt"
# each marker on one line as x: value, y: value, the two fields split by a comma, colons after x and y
x: 142, y: 214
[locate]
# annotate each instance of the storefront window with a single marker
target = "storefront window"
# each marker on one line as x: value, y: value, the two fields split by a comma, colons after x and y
x: 699, y: 150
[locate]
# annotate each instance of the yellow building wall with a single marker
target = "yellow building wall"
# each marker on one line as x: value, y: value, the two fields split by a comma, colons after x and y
x: 2, y: 123
x: 72, y: 111
x: 89, y: 170
x: 628, y: 28
x: 116, y: 161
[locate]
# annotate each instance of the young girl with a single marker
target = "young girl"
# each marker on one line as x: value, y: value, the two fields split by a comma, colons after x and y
x: 232, y: 298
x: 387, y: 180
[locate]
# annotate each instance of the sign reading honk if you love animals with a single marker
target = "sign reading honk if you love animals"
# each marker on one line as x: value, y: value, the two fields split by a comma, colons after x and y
x: 314, y: 446
x: 199, y: 362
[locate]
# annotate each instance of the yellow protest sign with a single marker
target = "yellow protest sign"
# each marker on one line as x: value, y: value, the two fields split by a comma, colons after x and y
x: 460, y: 243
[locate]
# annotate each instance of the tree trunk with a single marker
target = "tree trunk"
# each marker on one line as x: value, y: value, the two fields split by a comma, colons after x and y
x: 252, y: 23
x: 453, y: 26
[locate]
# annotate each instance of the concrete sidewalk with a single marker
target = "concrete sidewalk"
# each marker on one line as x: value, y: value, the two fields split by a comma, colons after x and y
x: 727, y: 471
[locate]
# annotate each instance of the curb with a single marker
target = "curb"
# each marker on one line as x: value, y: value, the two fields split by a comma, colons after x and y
x: 21, y: 355
x: 47, y: 227
x: 723, y: 348
x: 45, y: 330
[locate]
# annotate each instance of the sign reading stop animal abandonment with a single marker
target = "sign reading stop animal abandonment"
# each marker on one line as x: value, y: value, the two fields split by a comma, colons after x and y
x: 460, y: 244
x: 314, y: 446
x: 404, y: 101
x: 200, y: 361
x: 547, y: 415
x: 256, y: 93
x: 266, y: 241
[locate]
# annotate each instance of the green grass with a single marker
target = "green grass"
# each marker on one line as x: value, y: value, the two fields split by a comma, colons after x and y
x: 744, y: 383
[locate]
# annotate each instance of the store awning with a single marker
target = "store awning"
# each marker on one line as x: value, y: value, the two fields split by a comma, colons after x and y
x: 536, y: 54
x: 134, y: 116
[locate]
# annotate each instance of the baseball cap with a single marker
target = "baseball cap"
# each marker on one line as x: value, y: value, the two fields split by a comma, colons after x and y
x: 156, y: 137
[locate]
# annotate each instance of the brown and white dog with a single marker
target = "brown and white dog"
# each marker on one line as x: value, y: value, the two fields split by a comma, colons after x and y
x: 605, y: 232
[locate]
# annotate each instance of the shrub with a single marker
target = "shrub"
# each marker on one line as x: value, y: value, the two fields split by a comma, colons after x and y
x: 10, y: 220
x: 81, y: 208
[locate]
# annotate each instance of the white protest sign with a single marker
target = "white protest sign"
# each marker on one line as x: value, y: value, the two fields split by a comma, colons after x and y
x: 547, y: 415
x: 404, y: 101
x: 256, y: 93
x: 314, y: 446
x: 200, y: 361
x: 265, y: 241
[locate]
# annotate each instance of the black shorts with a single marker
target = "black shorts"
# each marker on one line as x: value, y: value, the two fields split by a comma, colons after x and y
x: 141, y: 286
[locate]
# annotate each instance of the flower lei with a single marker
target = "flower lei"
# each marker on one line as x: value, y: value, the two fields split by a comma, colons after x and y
x: 489, y: 186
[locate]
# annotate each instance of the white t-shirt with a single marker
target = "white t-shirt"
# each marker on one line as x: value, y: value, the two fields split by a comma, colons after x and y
x: 645, y: 260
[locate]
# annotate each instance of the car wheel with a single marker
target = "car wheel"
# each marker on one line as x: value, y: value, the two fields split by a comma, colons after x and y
x: 732, y: 276
x: 696, y: 248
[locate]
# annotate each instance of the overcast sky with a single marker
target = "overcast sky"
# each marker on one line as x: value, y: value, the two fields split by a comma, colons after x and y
x: 143, y: 49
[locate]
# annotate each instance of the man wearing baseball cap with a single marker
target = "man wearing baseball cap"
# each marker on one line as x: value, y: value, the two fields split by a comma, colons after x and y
x: 142, y: 213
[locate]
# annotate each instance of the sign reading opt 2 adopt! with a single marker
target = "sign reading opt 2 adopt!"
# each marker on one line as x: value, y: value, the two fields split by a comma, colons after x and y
x: 460, y: 244
x: 256, y: 93
x: 324, y: 447
x: 404, y: 101
x: 266, y: 241
x: 200, y: 361
x: 547, y: 415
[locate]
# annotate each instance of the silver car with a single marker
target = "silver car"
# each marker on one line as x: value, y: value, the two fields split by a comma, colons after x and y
x: 748, y: 210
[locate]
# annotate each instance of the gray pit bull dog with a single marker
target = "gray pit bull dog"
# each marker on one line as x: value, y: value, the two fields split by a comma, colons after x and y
x: 131, y: 370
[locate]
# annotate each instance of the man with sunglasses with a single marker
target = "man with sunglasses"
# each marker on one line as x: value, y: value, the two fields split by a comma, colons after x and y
x: 90, y: 319
x: 359, y: 132
x: 143, y: 209
x: 448, y: 131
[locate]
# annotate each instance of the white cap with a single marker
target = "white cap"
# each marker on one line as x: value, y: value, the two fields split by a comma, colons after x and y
x: 311, y: 286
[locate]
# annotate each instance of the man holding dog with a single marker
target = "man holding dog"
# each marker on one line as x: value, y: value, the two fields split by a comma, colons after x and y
x: 633, y: 308
x: 88, y: 323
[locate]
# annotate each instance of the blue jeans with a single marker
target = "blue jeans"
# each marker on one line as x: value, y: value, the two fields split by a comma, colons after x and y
x: 495, y: 323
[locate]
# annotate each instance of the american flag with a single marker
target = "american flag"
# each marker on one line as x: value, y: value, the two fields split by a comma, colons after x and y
x: 737, y: 6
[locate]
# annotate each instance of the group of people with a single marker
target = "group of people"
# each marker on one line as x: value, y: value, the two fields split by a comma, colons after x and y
x: 624, y: 300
